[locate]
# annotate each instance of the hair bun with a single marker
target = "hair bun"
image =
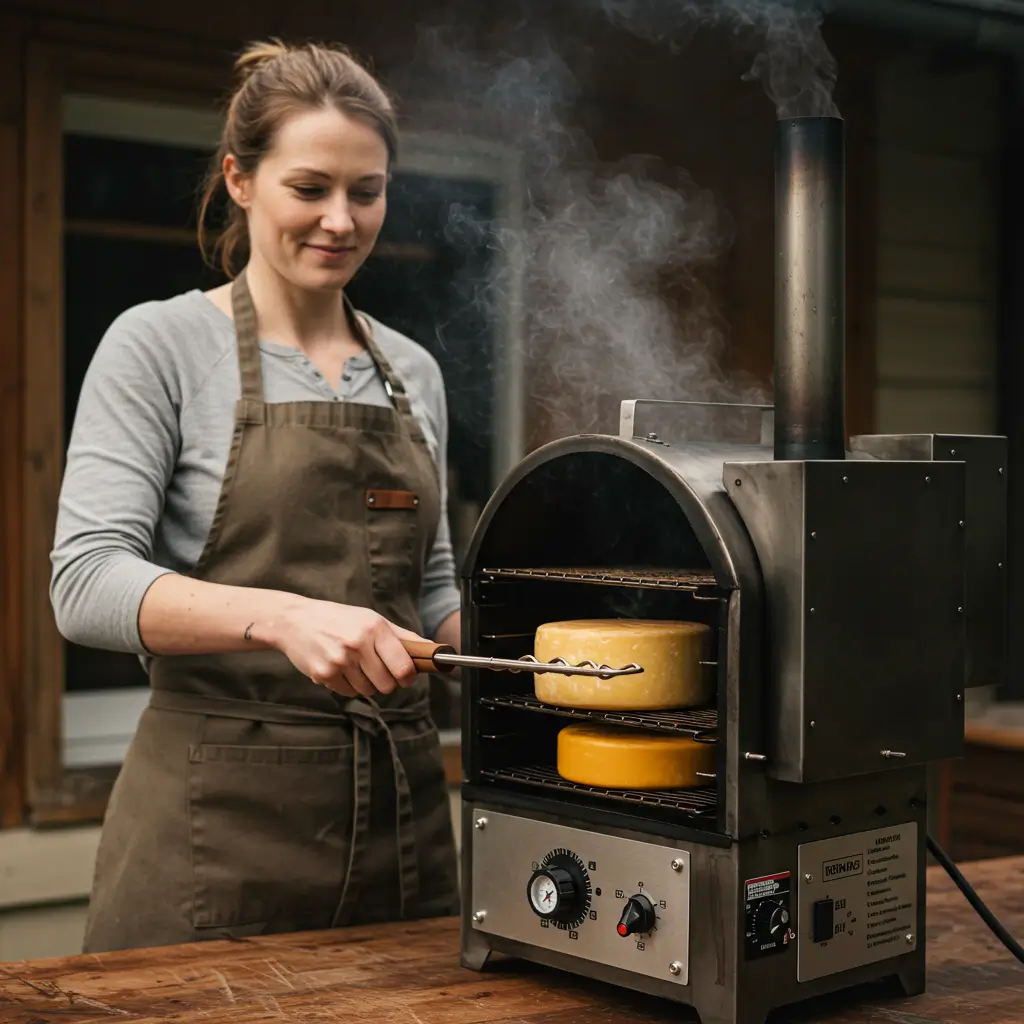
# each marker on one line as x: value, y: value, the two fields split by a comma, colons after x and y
x: 258, y: 55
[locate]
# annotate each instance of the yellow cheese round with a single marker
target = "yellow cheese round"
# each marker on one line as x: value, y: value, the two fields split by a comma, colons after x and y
x: 670, y: 653
x: 614, y: 758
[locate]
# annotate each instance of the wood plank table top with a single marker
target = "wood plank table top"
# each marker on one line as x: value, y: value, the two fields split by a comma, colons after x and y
x: 1000, y: 725
x: 410, y: 974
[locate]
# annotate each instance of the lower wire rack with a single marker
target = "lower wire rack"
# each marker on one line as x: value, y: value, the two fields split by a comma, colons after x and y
x: 689, y: 801
x: 700, y: 723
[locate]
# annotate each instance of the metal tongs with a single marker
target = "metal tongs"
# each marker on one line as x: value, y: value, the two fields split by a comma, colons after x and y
x: 428, y: 656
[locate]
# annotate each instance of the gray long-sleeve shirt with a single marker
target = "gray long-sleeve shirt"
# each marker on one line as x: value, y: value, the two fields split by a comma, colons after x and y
x: 150, y: 444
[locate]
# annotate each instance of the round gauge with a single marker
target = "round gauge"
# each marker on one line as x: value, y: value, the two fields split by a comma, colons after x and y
x: 559, y: 890
x: 544, y: 892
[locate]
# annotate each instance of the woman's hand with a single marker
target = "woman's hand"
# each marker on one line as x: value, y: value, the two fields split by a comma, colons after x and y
x: 351, y: 650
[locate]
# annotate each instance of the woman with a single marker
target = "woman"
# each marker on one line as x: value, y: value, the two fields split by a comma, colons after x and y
x: 254, y: 502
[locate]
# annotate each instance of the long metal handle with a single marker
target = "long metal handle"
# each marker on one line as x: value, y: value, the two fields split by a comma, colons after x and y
x: 428, y: 656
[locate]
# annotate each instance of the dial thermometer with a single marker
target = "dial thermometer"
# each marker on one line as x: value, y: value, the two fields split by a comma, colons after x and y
x: 544, y: 893
x: 559, y: 890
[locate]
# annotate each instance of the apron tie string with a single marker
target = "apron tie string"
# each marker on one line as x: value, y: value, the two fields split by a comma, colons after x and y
x: 369, y: 720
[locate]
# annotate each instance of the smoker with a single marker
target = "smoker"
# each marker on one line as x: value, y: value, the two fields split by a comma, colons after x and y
x: 853, y: 593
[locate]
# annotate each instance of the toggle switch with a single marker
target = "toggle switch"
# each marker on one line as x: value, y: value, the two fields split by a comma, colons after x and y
x: 822, y: 920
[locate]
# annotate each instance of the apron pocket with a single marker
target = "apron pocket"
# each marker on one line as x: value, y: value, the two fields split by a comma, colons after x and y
x: 270, y: 833
x: 391, y: 538
x: 436, y: 859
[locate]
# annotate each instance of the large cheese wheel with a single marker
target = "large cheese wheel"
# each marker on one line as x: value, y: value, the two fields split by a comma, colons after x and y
x: 669, y: 652
x: 620, y: 758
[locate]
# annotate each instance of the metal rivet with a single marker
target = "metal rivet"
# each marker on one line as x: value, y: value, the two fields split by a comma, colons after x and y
x: 910, y: 939
x: 371, y: 499
x: 479, y: 916
x: 961, y: 524
x: 999, y: 565
x: 675, y: 967
x: 416, y: 501
x: 813, y: 723
x: 652, y: 436
x: 808, y: 878
x: 814, y: 533
x: 845, y: 479
x: 927, y: 479
x: 1000, y: 470
x: 811, y: 610
x: 960, y: 610
x: 959, y: 696
x: 739, y: 483
x: 952, y: 451
x: 677, y: 865
x: 480, y: 824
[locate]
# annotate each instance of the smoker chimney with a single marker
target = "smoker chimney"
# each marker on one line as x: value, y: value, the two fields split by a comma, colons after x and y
x: 810, y: 288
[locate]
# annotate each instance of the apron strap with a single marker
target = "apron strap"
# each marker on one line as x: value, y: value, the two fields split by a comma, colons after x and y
x: 392, y: 382
x: 368, y: 718
x: 247, y: 332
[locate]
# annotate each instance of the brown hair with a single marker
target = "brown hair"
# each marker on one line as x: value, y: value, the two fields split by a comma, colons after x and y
x: 276, y: 80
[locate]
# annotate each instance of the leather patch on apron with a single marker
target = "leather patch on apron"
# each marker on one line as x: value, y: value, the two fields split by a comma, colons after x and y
x: 385, y: 500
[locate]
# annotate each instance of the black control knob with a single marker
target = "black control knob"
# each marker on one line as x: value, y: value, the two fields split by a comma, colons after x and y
x: 552, y: 892
x: 771, y: 922
x: 637, y: 916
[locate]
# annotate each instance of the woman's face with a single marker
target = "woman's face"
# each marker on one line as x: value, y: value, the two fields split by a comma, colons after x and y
x: 317, y: 200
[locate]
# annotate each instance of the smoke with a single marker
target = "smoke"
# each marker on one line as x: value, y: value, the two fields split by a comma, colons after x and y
x: 792, y: 62
x: 611, y: 259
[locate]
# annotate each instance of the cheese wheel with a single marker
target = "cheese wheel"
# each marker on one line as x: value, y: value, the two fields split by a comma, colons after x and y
x: 619, y: 758
x: 669, y: 652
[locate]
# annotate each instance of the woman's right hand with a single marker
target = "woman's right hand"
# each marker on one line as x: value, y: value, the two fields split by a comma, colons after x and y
x: 351, y: 650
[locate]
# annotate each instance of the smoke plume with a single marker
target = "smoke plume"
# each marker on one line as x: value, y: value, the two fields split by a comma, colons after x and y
x: 611, y: 259
x: 792, y: 62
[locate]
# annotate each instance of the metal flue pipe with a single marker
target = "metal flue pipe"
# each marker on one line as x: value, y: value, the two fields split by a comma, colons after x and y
x: 810, y: 288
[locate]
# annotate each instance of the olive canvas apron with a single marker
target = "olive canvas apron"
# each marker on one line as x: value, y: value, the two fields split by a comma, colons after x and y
x: 251, y: 800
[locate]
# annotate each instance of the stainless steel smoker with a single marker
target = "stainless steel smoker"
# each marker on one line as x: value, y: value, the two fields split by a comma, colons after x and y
x: 854, y: 593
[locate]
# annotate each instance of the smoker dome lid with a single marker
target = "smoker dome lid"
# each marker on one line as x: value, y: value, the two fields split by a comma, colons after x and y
x: 691, y: 474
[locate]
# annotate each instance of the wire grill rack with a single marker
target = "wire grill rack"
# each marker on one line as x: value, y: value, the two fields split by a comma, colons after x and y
x: 649, y: 579
x: 689, y: 801
x: 700, y: 723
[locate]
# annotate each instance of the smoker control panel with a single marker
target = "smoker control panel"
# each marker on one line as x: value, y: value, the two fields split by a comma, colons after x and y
x: 857, y: 900
x: 606, y: 899
x: 768, y: 915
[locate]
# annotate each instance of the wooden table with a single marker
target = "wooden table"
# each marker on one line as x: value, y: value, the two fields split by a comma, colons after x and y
x: 409, y: 974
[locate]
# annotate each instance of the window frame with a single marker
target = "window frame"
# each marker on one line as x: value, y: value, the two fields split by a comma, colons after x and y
x: 67, y: 734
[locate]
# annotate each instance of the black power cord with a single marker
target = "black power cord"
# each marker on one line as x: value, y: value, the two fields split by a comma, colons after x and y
x: 975, y: 900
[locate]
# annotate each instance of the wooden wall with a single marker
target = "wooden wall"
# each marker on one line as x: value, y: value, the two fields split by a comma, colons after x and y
x: 940, y: 135
x: 11, y: 458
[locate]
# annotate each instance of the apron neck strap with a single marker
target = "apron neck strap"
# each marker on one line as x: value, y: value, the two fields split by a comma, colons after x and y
x: 247, y: 333
x: 392, y: 382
